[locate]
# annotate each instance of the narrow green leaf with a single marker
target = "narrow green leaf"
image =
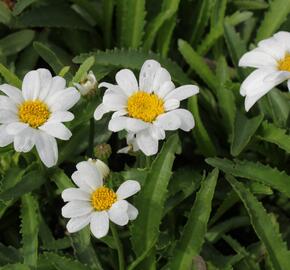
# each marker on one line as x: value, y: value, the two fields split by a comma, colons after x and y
x: 21, y: 5
x: 133, y: 59
x: 254, y: 171
x: 9, y: 254
x: 151, y: 199
x: 262, y: 223
x: 270, y: 133
x: 168, y: 9
x: 10, y: 77
x: 192, y: 238
x: 244, y: 130
x: 16, y: 266
x: 83, y: 69
x: 5, y: 13
x: 29, y: 229
x: 197, y: 63
x: 203, y: 140
x: 64, y: 71
x: 15, y: 42
x: 251, y: 4
x: 108, y: 9
x: 273, y: 19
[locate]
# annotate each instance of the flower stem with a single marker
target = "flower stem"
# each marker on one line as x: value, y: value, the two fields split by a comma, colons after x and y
x: 119, y: 247
x: 91, y: 137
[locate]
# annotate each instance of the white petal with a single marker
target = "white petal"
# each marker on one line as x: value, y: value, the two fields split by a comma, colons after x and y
x: 61, y: 116
x: 76, y: 209
x: 132, y: 212
x: 47, y: 148
x: 14, y: 93
x: 58, y: 83
x: 127, y: 81
x: 161, y: 76
x: 277, y: 77
x: 5, y: 138
x: 57, y: 130
x: 283, y: 38
x: 16, y: 127
x: 147, y: 144
x: 100, y: 111
x: 272, y: 47
x: 63, y: 100
x: 165, y: 89
x: 75, y: 194
x: 119, y: 113
x: 127, y: 189
x: 125, y: 150
x: 288, y: 85
x: 114, y: 102
x: 79, y: 180
x: 157, y: 132
x: 7, y: 103
x: 257, y: 58
x: 99, y: 224
x: 183, y: 92
x: 31, y: 85
x: 118, y: 213
x: 147, y: 74
x: 8, y: 116
x: 45, y: 80
x: 171, y: 104
x: 127, y: 123
x: 255, y: 82
x: 91, y: 174
x: 186, y: 119
x: 168, y: 121
x: 102, y: 168
x: 112, y: 88
x: 78, y: 223
x: 251, y: 100
x: 24, y: 141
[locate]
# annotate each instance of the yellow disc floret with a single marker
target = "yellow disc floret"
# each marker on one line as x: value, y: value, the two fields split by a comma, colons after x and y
x: 103, y: 198
x: 145, y: 106
x: 284, y: 64
x: 33, y: 112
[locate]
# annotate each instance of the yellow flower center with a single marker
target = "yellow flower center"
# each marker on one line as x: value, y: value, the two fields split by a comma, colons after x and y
x: 284, y: 64
x: 103, y: 198
x: 33, y: 112
x: 145, y: 106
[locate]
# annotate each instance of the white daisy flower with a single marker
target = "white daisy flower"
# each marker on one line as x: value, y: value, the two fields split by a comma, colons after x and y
x: 34, y: 115
x: 95, y: 204
x: 88, y: 85
x: 272, y: 60
x: 148, y: 109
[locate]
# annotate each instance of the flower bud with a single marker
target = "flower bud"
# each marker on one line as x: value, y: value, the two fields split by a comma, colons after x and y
x: 88, y: 85
x: 103, y: 151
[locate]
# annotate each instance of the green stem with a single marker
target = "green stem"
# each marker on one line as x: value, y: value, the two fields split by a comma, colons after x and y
x: 91, y: 138
x: 119, y: 247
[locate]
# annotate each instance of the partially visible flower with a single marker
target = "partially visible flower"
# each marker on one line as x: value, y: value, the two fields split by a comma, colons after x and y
x: 103, y: 151
x: 272, y: 60
x: 95, y: 204
x: 101, y: 166
x: 34, y: 115
x: 88, y: 85
x: 132, y: 145
x: 146, y: 110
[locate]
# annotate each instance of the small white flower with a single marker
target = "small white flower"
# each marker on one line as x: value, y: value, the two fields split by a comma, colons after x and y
x: 93, y: 203
x: 272, y: 60
x: 34, y: 115
x: 101, y: 166
x: 88, y: 85
x: 146, y: 110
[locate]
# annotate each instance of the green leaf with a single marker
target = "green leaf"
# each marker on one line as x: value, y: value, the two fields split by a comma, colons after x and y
x: 263, y: 224
x: 203, y: 140
x: 15, y: 42
x: 133, y: 21
x: 197, y: 63
x: 133, y: 59
x: 192, y: 238
x: 168, y: 9
x: 151, y: 199
x: 29, y: 229
x: 217, y: 32
x: 10, y: 77
x: 5, y: 13
x: 254, y: 171
x: 63, y: 16
x: 244, y: 130
x: 251, y: 4
x: 270, y: 133
x: 16, y: 266
x: 29, y: 182
x: 83, y: 69
x: 107, y: 20
x: 21, y: 5
x: 9, y: 254
x: 273, y: 19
